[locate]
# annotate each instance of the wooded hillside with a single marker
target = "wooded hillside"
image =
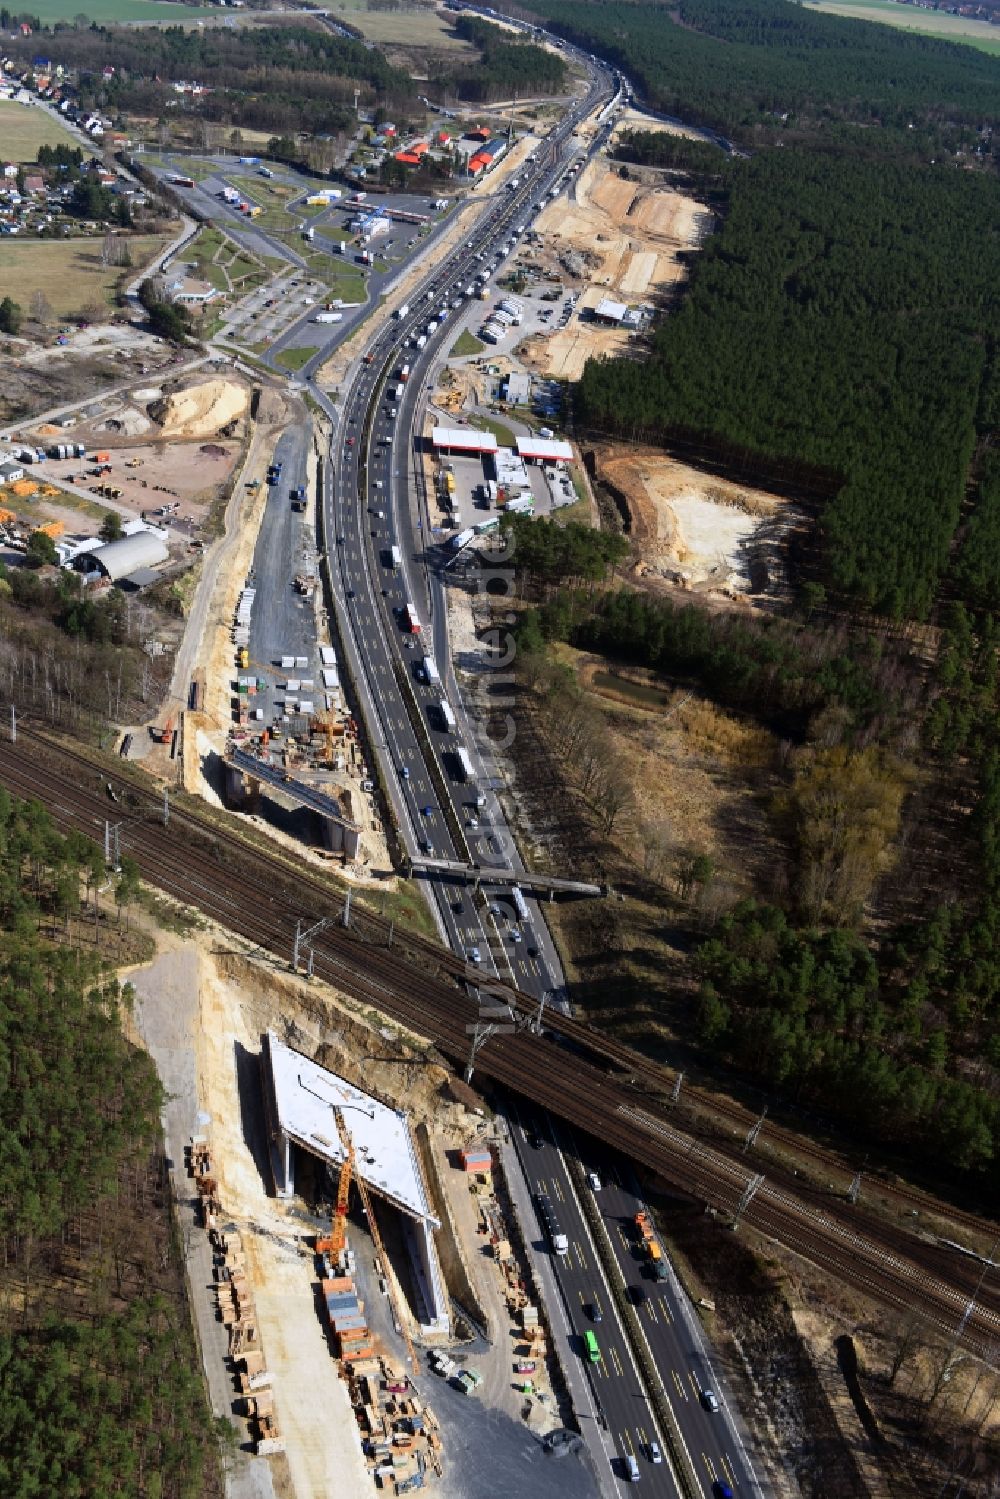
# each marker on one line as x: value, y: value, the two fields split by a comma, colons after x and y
x: 100, y: 1389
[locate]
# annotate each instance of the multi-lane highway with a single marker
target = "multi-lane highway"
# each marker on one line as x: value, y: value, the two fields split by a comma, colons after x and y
x: 367, y: 515
x: 714, y: 1447
x: 384, y: 569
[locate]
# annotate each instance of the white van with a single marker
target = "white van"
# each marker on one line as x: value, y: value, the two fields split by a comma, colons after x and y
x: 631, y: 1469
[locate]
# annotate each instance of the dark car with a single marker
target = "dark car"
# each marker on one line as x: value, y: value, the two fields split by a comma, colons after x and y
x: 534, y: 1140
x: 721, y: 1490
x: 637, y: 1295
x: 595, y: 1313
x: 710, y: 1400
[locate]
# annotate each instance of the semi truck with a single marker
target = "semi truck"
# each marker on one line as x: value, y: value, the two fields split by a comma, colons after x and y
x: 465, y: 770
x: 461, y: 540
x: 448, y: 718
x: 404, y: 374
x: 650, y: 1245
x: 547, y: 1215
x: 429, y: 671
x: 395, y: 559
x: 329, y: 317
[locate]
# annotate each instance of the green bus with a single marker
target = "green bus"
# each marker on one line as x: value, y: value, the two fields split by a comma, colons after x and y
x: 590, y: 1344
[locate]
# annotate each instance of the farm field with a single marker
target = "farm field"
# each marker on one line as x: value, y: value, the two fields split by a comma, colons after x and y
x: 410, y: 26
x: 927, y: 22
x: 68, y: 272
x: 125, y: 11
x: 25, y: 127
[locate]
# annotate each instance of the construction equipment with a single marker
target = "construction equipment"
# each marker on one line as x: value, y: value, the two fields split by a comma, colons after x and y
x: 164, y: 735
x: 334, y: 1245
x: 338, y: 1228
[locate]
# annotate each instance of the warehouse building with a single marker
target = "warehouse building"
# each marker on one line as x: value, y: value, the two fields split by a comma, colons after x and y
x: 516, y: 389
x: 127, y: 560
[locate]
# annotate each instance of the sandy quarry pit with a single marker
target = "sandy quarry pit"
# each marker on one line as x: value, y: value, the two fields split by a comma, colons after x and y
x: 695, y: 530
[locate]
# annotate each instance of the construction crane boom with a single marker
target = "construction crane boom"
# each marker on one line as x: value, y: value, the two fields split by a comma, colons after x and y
x: 334, y: 1245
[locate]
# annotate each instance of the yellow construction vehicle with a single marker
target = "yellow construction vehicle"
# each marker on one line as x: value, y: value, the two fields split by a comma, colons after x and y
x: 334, y: 1245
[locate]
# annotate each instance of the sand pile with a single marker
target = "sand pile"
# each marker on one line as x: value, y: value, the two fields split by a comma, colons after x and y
x: 201, y: 410
x: 127, y: 423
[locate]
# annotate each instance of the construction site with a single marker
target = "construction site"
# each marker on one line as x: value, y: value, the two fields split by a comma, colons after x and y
x: 370, y: 1301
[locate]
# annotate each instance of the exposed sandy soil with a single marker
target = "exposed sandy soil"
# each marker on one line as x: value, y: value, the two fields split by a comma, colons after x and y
x: 190, y: 472
x: 201, y: 410
x: 631, y: 119
x: 630, y: 235
x: 635, y: 230
x: 694, y: 529
x: 563, y: 354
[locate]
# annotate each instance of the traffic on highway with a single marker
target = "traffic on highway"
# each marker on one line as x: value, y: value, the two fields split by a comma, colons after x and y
x: 713, y: 1443
x: 437, y: 773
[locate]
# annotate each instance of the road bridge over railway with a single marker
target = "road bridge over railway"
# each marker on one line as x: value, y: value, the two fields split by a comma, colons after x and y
x: 246, y: 773
x: 487, y: 874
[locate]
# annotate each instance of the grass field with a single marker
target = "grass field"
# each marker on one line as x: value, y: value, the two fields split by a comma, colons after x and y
x: 220, y: 261
x: 939, y: 24
x: 410, y: 26
x: 68, y: 272
x: 150, y: 11
x: 24, y: 127
x: 501, y: 432
x: 294, y: 359
x: 466, y: 343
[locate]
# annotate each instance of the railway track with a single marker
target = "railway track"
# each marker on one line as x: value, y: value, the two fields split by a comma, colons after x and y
x: 260, y: 901
x: 703, y: 1108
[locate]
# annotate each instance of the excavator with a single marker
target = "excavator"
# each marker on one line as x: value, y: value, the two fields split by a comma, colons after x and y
x: 333, y: 1246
